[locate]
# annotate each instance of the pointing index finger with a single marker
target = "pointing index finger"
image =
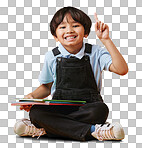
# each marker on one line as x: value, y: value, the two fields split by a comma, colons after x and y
x: 95, y: 16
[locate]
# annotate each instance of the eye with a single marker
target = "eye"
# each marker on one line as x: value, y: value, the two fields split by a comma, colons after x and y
x: 62, y: 27
x: 75, y: 26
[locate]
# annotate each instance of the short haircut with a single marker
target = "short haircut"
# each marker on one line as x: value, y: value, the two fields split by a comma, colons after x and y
x: 76, y: 14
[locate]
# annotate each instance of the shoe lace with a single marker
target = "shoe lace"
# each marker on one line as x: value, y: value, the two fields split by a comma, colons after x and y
x: 105, y: 132
x: 33, y: 131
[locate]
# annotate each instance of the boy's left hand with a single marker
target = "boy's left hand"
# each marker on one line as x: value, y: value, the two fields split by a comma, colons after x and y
x: 25, y: 107
x: 101, y: 29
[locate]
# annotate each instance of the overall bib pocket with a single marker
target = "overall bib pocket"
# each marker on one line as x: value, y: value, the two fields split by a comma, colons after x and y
x: 74, y: 77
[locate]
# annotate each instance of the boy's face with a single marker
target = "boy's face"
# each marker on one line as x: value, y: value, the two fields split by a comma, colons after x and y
x: 70, y: 34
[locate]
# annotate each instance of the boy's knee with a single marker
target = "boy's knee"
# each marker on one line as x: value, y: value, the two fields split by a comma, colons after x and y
x: 103, y: 112
x: 99, y: 107
x: 98, y: 112
x: 35, y: 116
x: 103, y: 108
x: 34, y: 112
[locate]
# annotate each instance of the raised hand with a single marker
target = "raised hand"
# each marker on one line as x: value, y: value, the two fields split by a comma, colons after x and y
x: 101, y: 29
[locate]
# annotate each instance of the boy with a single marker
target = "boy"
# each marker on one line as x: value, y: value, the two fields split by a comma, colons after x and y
x: 72, y: 71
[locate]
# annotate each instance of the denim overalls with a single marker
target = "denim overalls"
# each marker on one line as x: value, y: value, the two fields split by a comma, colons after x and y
x: 74, y: 81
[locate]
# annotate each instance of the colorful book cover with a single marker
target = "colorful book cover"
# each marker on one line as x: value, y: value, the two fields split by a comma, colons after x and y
x: 24, y: 101
x: 47, y: 100
x: 46, y: 103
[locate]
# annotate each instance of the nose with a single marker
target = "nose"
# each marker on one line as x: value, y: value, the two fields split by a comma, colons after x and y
x: 70, y: 29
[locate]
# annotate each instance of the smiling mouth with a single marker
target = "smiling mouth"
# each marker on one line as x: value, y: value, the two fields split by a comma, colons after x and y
x: 70, y: 37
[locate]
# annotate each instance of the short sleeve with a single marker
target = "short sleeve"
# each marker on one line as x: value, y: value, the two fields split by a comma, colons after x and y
x: 105, y: 59
x: 46, y: 75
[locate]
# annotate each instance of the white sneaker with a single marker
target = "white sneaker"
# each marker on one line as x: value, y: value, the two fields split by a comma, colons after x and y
x: 24, y: 127
x: 108, y: 131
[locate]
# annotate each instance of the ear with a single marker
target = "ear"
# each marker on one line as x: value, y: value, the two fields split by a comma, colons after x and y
x: 56, y: 39
x: 86, y: 35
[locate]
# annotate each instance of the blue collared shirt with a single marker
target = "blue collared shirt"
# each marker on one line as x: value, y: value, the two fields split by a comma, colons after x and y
x: 100, y: 60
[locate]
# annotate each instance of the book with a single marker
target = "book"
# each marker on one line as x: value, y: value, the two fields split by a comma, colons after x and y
x: 24, y: 101
x: 47, y: 100
x: 48, y: 103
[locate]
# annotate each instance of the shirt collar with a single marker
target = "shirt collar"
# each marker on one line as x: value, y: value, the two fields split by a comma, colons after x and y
x: 65, y: 53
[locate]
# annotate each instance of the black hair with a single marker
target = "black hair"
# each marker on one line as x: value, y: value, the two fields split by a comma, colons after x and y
x: 76, y: 14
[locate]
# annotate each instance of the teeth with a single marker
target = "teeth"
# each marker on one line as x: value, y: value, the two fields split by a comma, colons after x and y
x: 71, y: 37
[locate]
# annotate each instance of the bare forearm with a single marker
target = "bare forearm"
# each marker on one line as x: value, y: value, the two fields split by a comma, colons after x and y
x: 42, y: 91
x: 118, y: 61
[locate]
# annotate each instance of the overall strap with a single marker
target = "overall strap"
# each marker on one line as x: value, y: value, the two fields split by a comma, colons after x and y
x: 56, y: 51
x: 88, y: 48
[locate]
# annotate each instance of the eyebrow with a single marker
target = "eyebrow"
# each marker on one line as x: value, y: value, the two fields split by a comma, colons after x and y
x: 62, y: 23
